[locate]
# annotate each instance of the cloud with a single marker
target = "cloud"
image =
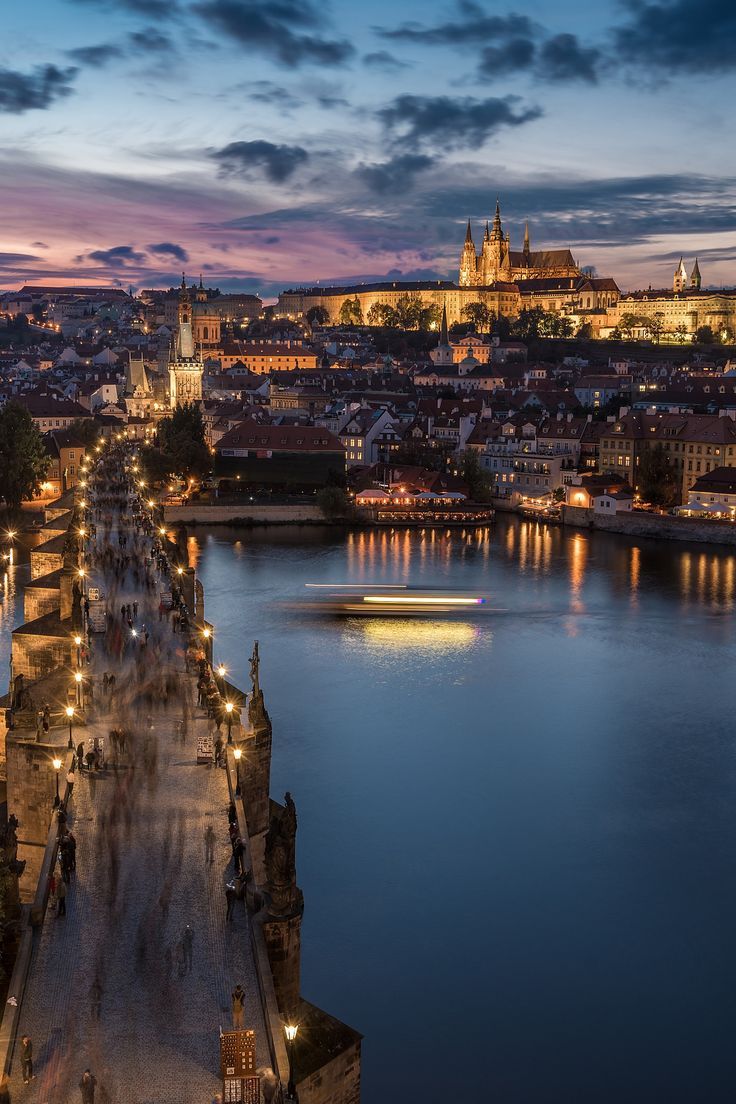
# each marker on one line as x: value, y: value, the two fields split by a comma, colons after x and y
x: 451, y: 122
x: 562, y: 58
x: 394, y: 175
x: 676, y: 35
x: 150, y: 9
x: 169, y: 249
x: 12, y: 259
x: 278, y: 163
x: 277, y: 30
x: 96, y: 57
x: 472, y: 28
x: 384, y: 62
x: 269, y: 92
x: 496, y: 61
x: 21, y: 92
x: 150, y: 40
x: 117, y: 257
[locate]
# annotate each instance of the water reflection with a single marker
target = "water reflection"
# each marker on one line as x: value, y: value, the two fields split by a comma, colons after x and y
x: 401, y: 634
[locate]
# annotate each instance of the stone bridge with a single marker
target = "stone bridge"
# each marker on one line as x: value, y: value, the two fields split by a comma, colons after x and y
x: 134, y: 982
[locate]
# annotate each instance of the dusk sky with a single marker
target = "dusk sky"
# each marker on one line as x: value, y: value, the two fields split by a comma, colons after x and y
x: 269, y: 145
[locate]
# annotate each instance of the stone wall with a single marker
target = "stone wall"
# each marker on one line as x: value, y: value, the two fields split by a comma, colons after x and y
x: 36, y: 656
x: 337, y: 1082
x: 31, y: 790
x: 656, y: 526
x: 248, y: 513
x: 37, y: 602
x: 44, y: 562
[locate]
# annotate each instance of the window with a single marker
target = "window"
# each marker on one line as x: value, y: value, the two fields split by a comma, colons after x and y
x: 71, y: 454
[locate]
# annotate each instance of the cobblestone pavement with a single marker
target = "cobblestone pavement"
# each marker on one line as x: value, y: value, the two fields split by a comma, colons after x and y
x: 141, y: 877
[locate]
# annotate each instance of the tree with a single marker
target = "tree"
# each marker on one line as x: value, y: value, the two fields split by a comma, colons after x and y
x: 704, y: 335
x: 681, y: 333
x: 351, y: 313
x: 86, y: 430
x: 318, y: 316
x: 478, y: 481
x: 23, y: 458
x: 381, y: 314
x: 657, y: 477
x: 479, y: 314
x: 334, y: 503
x: 627, y: 324
x: 585, y: 333
x: 656, y: 326
x: 181, y: 445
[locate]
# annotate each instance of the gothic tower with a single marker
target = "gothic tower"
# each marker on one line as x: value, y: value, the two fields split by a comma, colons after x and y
x: 468, y: 267
x: 679, y: 282
x: 695, y: 276
x: 185, y: 369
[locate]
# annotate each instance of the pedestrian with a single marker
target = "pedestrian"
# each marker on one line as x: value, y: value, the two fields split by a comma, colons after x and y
x: 238, y: 852
x: 238, y: 1004
x: 87, y: 1086
x: 80, y: 755
x: 187, y: 943
x: 231, y: 897
x: 71, y: 840
x: 161, y: 610
x: 46, y: 721
x: 209, y: 844
x: 26, y: 1059
x: 61, y: 897
x: 219, y: 745
x: 70, y: 777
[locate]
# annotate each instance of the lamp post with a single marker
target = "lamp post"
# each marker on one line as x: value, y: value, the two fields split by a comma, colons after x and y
x: 78, y: 680
x: 237, y: 754
x: 57, y: 768
x: 221, y: 672
x: 291, y: 1030
x: 229, y: 711
x: 78, y: 642
x: 70, y: 715
x: 11, y: 552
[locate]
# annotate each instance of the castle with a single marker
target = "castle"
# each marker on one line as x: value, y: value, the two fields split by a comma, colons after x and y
x: 497, y: 261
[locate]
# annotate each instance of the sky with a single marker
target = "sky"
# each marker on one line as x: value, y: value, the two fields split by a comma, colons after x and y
x: 271, y: 145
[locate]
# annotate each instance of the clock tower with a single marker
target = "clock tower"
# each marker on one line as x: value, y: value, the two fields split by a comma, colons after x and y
x: 186, y: 368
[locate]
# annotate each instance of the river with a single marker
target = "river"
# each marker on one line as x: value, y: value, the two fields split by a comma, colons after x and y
x: 516, y: 836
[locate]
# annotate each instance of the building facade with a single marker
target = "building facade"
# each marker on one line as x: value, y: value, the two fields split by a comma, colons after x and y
x: 498, y: 261
x: 185, y: 369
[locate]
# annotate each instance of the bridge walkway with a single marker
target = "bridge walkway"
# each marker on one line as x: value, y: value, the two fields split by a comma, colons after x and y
x: 152, y: 1037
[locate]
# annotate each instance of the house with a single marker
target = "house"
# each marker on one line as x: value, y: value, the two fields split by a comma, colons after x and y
x: 603, y: 494
x: 712, y: 493
x: 360, y: 433
x: 65, y: 452
x: 50, y: 411
x: 279, y: 455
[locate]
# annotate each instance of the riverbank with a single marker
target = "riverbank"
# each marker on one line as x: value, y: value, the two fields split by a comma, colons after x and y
x: 654, y: 526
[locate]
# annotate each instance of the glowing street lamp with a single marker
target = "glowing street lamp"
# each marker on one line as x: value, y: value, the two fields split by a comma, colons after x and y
x: 78, y: 642
x: 78, y: 680
x: 291, y: 1031
x: 57, y: 768
x: 237, y: 754
x: 70, y: 717
x: 229, y: 712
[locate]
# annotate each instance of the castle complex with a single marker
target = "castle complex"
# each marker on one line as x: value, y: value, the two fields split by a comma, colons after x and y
x: 498, y: 261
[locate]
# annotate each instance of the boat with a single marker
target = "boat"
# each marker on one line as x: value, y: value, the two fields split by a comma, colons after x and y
x: 397, y: 600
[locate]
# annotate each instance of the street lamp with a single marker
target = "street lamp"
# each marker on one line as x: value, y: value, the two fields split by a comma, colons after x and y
x: 291, y: 1030
x: 78, y: 680
x: 78, y: 642
x: 229, y: 711
x: 57, y: 768
x: 70, y: 715
x: 237, y: 753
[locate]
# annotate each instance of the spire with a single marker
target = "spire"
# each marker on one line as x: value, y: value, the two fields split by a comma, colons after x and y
x: 526, y: 236
x: 201, y: 285
x: 468, y: 235
x: 695, y: 275
x: 487, y: 236
x: 183, y: 282
x: 444, y: 336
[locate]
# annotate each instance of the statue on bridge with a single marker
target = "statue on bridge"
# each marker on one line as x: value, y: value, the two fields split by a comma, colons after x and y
x: 280, y: 857
x: 255, y: 664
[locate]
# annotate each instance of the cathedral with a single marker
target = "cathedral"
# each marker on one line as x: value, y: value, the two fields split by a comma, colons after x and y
x: 497, y: 261
x: 681, y: 280
x: 185, y: 368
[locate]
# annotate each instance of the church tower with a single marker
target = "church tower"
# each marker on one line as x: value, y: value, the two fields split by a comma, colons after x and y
x: 442, y: 356
x: 695, y: 276
x: 185, y: 368
x: 468, y: 265
x: 679, y: 282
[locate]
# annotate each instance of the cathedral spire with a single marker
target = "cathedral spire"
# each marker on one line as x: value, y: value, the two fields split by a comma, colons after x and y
x: 444, y: 336
x: 468, y: 234
x: 695, y: 275
x: 487, y: 236
x: 526, y: 237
